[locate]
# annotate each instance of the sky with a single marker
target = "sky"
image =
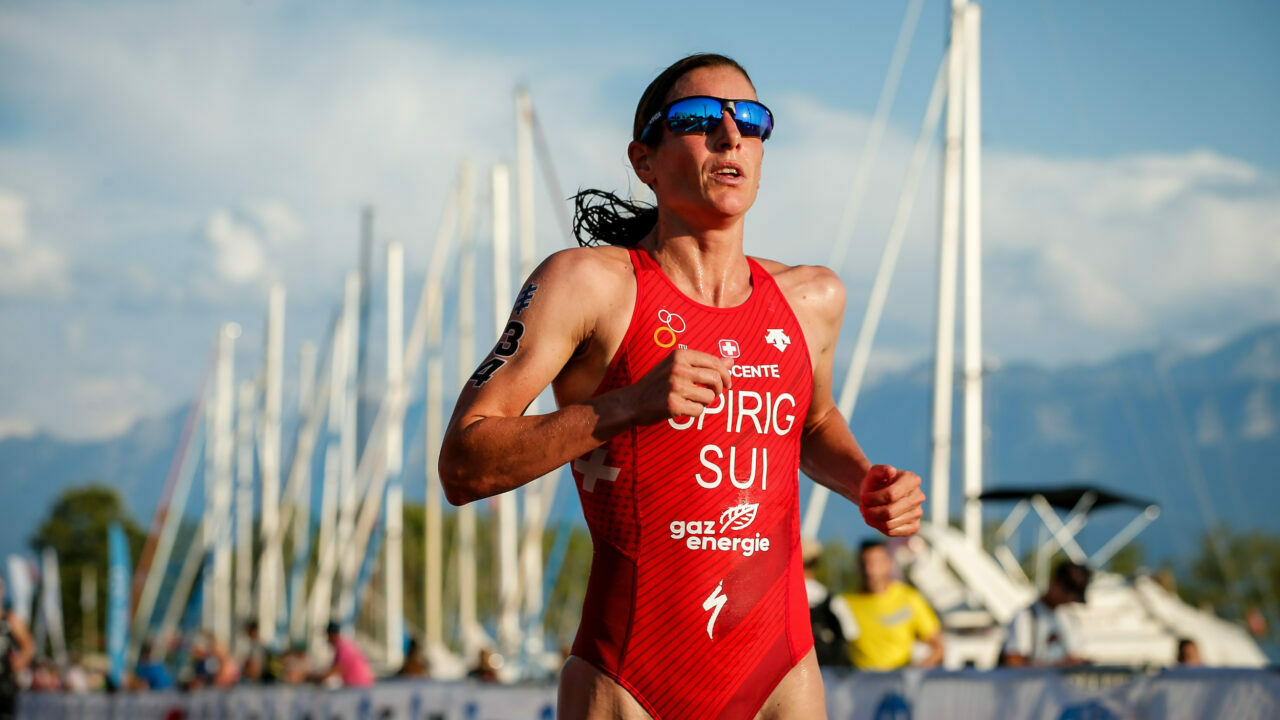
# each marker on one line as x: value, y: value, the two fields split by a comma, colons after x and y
x: 161, y: 166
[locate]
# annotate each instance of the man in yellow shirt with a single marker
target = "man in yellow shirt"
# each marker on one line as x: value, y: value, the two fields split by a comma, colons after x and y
x: 891, y: 617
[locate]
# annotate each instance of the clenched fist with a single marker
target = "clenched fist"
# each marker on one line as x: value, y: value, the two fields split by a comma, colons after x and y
x: 685, y: 383
x: 891, y: 500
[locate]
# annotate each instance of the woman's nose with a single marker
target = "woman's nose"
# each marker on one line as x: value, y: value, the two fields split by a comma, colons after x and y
x: 727, y: 135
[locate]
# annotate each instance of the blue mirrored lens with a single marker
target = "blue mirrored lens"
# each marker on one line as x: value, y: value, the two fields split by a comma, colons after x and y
x: 694, y: 115
x: 753, y: 119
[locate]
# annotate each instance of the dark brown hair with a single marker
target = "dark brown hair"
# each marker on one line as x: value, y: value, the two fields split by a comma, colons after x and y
x: 601, y: 217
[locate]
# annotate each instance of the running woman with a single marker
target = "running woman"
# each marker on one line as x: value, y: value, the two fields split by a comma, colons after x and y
x: 693, y: 383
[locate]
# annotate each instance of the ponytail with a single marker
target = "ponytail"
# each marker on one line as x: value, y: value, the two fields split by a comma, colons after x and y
x: 602, y: 218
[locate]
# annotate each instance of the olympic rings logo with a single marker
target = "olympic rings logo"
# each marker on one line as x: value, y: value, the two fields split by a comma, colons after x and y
x: 665, y: 335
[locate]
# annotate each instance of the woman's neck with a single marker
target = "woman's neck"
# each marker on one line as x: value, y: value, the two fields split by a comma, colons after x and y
x: 706, y: 263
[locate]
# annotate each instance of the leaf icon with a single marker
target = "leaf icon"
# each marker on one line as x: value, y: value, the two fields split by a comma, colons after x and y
x: 738, y: 516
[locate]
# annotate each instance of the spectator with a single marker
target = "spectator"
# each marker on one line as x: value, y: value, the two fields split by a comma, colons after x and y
x: 150, y: 673
x: 349, y: 663
x: 415, y: 664
x: 486, y: 669
x: 891, y: 617
x: 44, y: 676
x: 76, y: 679
x: 294, y: 665
x: 16, y: 650
x: 829, y: 615
x: 258, y: 663
x: 212, y: 664
x: 1189, y: 653
x: 1043, y: 635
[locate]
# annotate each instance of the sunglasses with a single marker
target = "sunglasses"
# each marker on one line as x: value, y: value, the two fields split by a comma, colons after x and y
x: 703, y: 113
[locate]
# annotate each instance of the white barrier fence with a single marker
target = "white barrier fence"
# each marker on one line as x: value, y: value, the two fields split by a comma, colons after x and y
x: 1085, y: 695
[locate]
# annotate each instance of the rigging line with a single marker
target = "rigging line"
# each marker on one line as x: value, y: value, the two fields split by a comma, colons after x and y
x: 884, y: 276
x: 1145, y: 455
x: 888, y: 92
x: 1196, y: 474
x: 550, y: 176
x: 194, y: 411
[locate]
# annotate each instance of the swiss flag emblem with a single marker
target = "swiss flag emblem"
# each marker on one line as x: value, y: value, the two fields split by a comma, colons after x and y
x: 729, y: 348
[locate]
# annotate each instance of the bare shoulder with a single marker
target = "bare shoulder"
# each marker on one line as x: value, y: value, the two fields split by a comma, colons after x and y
x: 587, y: 292
x: 586, y: 281
x: 814, y: 292
x: 589, y: 266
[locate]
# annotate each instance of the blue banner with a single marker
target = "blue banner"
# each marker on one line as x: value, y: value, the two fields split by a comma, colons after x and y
x: 117, y: 601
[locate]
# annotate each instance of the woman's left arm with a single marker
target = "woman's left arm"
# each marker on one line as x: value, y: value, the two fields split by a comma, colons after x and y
x: 890, y: 499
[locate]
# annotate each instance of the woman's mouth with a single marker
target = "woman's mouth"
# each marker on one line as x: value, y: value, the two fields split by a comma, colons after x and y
x: 728, y: 173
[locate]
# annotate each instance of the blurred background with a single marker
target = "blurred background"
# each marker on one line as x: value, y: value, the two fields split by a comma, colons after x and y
x: 162, y: 167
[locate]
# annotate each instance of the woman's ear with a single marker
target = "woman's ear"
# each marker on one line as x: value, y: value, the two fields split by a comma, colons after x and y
x: 641, y: 157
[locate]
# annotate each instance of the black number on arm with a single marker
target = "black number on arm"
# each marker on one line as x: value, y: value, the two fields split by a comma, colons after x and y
x: 486, y: 370
x: 507, y: 346
x: 510, y: 340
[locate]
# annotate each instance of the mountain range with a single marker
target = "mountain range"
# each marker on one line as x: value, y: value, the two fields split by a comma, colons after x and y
x: 1196, y: 432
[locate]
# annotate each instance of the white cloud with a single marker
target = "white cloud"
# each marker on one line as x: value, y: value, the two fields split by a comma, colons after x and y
x: 237, y: 250
x: 27, y: 269
x: 107, y: 406
x: 16, y: 427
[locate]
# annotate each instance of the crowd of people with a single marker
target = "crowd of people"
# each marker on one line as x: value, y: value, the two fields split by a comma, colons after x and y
x: 886, y: 624
x: 201, y: 661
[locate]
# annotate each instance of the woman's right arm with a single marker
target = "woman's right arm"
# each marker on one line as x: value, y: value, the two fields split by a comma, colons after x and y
x: 491, y: 447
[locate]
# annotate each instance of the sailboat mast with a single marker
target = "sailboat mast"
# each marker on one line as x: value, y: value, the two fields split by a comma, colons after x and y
x: 270, y: 569
x: 973, y: 426
x: 948, y: 250
x: 508, y: 577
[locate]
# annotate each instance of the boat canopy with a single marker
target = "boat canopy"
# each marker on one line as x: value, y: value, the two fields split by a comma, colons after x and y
x: 1065, y: 497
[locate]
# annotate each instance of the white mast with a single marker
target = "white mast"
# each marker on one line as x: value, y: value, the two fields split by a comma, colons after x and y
x: 944, y: 359
x: 244, y: 509
x: 219, y: 591
x: 427, y: 334
x: 538, y: 495
x: 473, y: 637
x: 321, y: 589
x: 393, y: 563
x: 300, y: 492
x: 164, y: 548
x: 51, y: 606
x: 191, y: 566
x: 508, y: 577
x: 270, y: 564
x: 973, y: 428
x: 348, y: 497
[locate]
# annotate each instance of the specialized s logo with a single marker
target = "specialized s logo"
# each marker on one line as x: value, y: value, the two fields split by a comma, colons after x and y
x: 777, y: 338
x: 715, y: 603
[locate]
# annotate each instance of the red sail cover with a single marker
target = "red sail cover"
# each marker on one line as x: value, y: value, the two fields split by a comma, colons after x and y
x: 696, y: 602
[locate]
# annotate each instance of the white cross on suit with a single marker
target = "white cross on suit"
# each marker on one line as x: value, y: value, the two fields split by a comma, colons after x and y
x: 594, y: 469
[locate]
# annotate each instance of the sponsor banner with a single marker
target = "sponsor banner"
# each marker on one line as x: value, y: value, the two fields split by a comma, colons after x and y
x: 1069, y: 695
x: 117, y: 601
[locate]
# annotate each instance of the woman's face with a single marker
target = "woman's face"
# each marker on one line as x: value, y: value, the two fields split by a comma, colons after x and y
x: 687, y: 171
